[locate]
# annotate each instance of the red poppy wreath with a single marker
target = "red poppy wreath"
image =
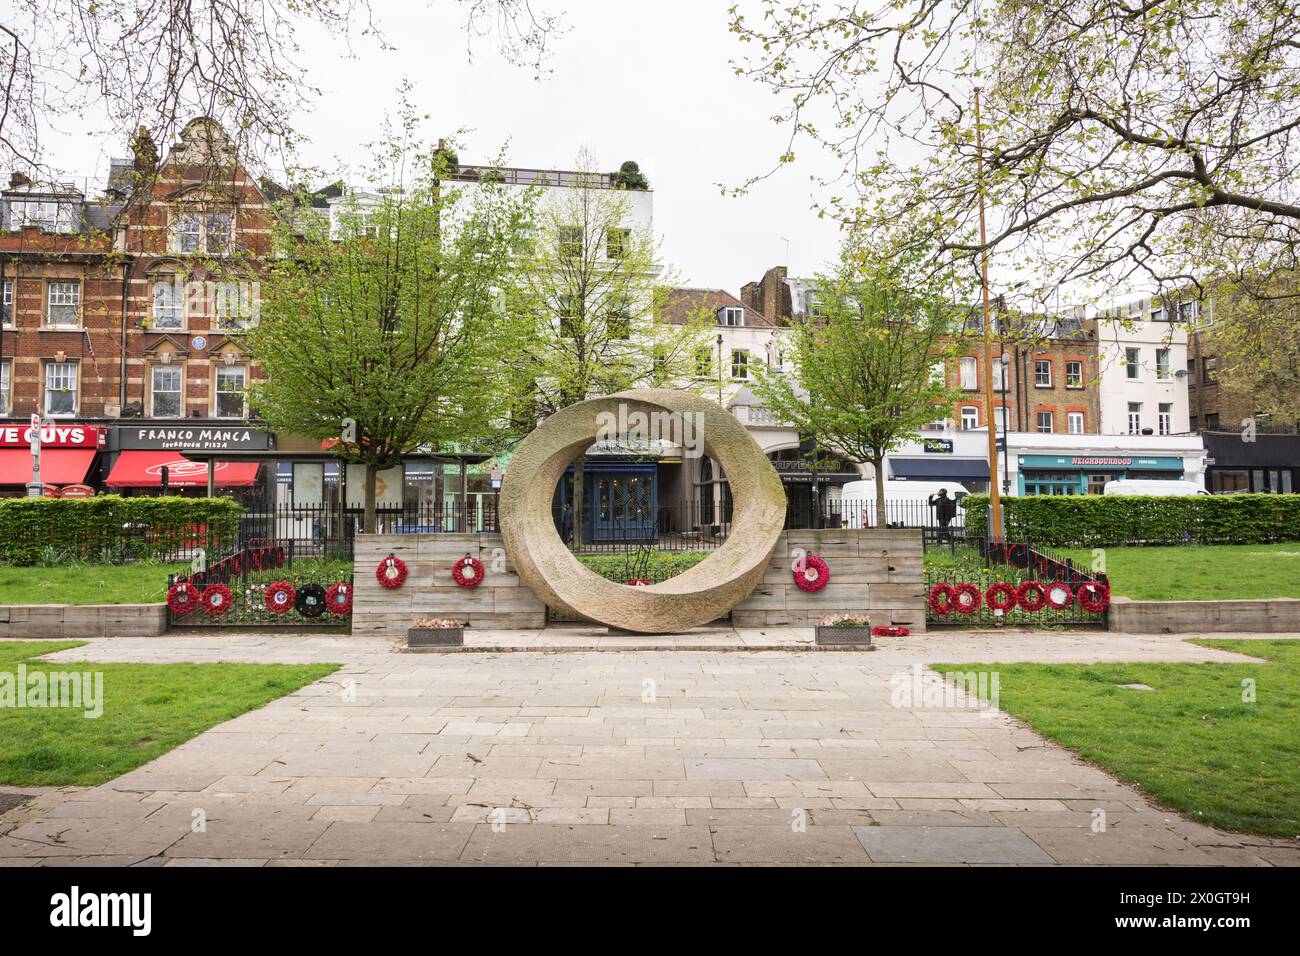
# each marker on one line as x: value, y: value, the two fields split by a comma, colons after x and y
x: 338, y: 599
x: 1031, y: 596
x: 279, y: 597
x: 942, y: 598
x: 1059, y: 595
x: 467, y: 572
x: 216, y: 600
x: 1094, y: 597
x: 1000, y: 596
x: 182, y: 598
x: 811, y: 574
x: 391, y: 572
x: 967, y: 598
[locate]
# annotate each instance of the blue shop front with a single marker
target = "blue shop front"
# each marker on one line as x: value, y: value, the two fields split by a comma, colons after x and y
x: 1088, y: 474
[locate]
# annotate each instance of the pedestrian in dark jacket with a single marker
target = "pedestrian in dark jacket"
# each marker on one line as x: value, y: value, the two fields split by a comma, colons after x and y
x: 945, y: 509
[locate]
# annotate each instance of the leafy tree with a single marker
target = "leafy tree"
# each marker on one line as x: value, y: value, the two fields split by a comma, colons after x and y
x: 1254, y: 338
x: 864, y: 372
x: 1153, y: 141
x: 382, y: 329
x: 586, y: 307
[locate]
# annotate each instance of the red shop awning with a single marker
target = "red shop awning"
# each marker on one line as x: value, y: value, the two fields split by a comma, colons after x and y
x: 59, y: 466
x: 143, y: 469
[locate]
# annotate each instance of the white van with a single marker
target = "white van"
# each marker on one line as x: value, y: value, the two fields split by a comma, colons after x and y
x: 906, y: 502
x: 1152, y: 486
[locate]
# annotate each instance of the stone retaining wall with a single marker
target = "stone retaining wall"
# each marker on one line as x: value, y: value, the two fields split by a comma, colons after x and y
x: 63, y: 621
x: 1274, y: 616
x: 873, y: 572
x: 501, y: 601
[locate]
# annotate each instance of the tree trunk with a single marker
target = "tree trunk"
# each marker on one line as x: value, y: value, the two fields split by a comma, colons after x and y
x: 882, y: 520
x: 579, y: 473
x: 372, y: 475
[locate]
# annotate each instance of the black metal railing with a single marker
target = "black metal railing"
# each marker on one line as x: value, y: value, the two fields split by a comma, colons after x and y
x: 957, y: 560
x: 327, y: 531
x: 899, y: 513
x: 311, y: 589
x: 614, y: 528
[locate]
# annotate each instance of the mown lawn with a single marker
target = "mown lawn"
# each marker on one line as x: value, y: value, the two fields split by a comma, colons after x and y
x: 142, y: 582
x: 1201, y: 572
x: 148, y: 709
x: 1195, y: 742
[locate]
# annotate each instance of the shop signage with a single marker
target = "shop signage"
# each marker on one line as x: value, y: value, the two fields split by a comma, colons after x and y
x: 194, y: 437
x: 53, y: 435
x: 937, y: 446
x: 76, y: 491
x: 1102, y: 461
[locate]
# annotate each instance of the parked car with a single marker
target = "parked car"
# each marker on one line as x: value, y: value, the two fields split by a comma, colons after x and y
x: 1154, y: 486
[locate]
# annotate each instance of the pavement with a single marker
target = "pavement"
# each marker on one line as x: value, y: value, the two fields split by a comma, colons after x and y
x: 535, y: 749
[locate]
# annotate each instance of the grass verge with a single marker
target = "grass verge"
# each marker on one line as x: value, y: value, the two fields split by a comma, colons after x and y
x: 142, y: 582
x: 1196, y: 742
x: 1201, y: 572
x: 148, y: 709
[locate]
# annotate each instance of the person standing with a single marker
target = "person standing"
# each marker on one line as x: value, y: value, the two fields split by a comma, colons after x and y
x: 945, y: 509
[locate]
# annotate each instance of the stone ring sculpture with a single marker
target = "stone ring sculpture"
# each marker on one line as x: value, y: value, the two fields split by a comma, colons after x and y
x: 697, y: 596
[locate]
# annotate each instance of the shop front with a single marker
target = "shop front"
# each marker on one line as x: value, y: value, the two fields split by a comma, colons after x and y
x: 68, y: 457
x: 1087, y: 474
x: 813, y: 483
x: 1260, y: 463
x: 147, y: 459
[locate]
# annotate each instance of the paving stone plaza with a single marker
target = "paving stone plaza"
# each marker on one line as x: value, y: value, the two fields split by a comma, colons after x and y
x: 548, y: 752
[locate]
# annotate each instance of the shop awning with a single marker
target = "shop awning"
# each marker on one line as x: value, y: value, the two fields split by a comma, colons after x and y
x: 958, y: 469
x: 143, y: 469
x: 59, y: 466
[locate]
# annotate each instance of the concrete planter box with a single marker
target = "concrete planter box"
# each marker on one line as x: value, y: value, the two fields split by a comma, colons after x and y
x: 844, y: 636
x: 435, y: 637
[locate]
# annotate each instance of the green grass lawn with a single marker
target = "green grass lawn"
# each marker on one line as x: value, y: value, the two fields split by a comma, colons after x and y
x: 1192, y: 743
x: 1201, y: 572
x: 141, y: 582
x: 144, y: 582
x: 148, y: 709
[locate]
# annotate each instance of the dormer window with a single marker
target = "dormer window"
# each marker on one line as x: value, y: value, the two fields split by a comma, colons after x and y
x: 49, y: 215
x: 732, y: 316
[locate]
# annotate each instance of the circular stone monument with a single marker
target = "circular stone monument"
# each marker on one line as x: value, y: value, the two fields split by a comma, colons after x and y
x: 697, y: 596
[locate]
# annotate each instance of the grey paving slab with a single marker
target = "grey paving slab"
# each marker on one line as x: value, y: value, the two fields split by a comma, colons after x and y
x: 956, y: 844
x: 550, y: 755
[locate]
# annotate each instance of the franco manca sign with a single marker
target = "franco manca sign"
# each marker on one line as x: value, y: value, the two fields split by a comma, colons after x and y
x: 198, y: 437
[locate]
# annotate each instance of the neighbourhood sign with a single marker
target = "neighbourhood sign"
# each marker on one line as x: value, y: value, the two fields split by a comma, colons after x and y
x: 193, y: 437
x: 1102, y: 461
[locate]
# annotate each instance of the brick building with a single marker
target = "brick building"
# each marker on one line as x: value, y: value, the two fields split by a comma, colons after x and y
x: 129, y: 308
x: 1046, y: 380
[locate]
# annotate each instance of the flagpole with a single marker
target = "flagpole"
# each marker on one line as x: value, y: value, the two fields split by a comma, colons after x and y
x: 995, y: 493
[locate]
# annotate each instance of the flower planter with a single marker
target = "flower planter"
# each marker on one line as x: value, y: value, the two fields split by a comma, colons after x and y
x: 841, y: 636
x: 435, y: 637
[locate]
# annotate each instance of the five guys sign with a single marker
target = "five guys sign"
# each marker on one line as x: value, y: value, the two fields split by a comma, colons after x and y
x: 56, y: 435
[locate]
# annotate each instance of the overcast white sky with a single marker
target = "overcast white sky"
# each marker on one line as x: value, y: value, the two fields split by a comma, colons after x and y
x: 645, y: 81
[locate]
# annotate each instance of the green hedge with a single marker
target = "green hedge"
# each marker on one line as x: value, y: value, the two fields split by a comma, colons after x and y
x: 1096, y: 521
x: 662, y: 565
x: 113, y: 528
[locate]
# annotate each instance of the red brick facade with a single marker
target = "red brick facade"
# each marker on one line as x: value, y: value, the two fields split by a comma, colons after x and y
x: 159, y: 280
